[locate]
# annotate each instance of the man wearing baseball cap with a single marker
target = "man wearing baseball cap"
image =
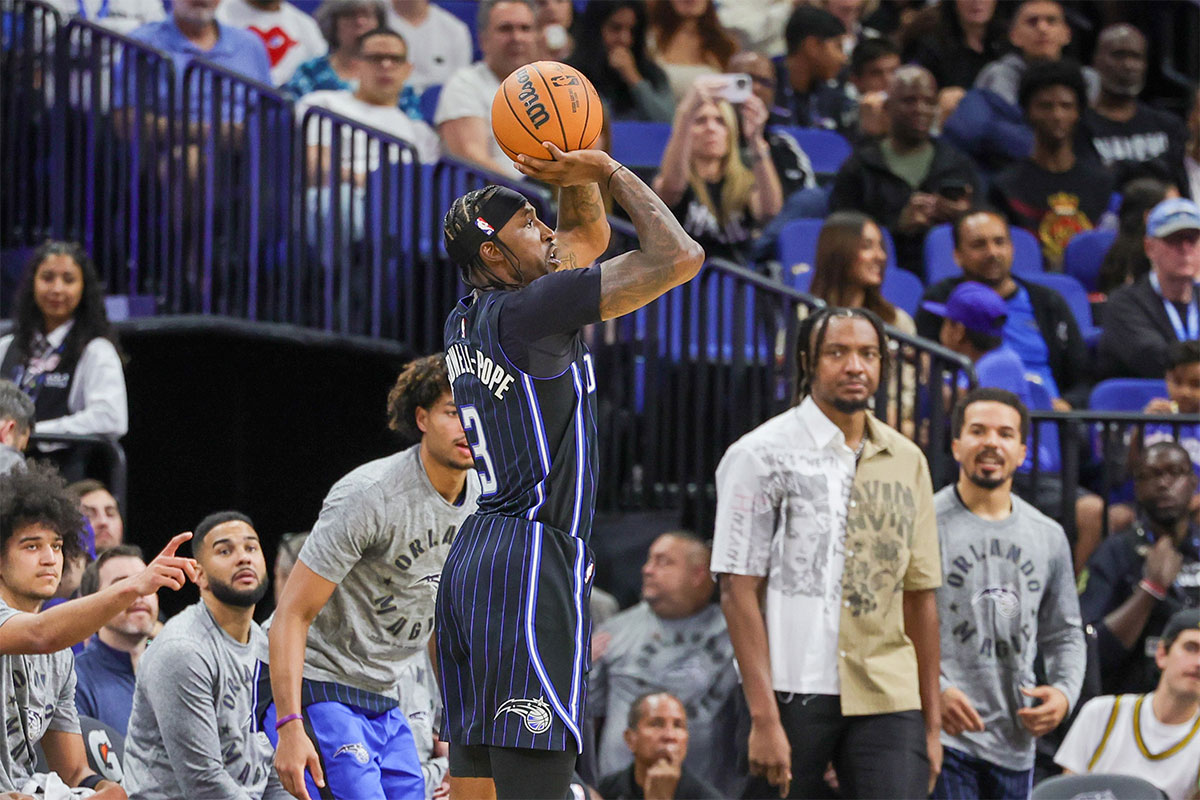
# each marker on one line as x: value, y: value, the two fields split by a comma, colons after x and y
x: 1151, y: 736
x: 1143, y: 320
x: 973, y: 318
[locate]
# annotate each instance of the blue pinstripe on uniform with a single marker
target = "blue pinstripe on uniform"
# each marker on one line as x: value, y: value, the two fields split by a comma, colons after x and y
x: 967, y: 777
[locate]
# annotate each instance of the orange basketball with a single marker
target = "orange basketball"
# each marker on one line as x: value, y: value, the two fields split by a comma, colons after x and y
x: 546, y: 102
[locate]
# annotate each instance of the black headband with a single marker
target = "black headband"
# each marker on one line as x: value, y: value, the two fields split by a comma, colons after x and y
x: 494, y: 214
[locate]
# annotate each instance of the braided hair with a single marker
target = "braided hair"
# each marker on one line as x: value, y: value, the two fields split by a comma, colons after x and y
x: 459, y: 223
x: 811, y: 338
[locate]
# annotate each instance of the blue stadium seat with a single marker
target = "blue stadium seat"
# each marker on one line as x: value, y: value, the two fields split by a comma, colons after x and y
x: 825, y: 149
x: 467, y: 11
x: 1049, y: 446
x: 639, y: 144
x: 797, y: 249
x: 1085, y: 254
x: 939, y: 254
x: 903, y: 289
x: 429, y: 101
x: 1076, y: 297
x: 1125, y: 394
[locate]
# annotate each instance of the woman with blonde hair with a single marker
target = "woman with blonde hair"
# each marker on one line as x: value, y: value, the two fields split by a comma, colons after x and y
x: 688, y: 41
x: 720, y: 200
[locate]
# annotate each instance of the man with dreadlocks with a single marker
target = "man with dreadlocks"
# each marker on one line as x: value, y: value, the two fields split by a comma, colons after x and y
x: 827, y: 550
x: 512, y: 623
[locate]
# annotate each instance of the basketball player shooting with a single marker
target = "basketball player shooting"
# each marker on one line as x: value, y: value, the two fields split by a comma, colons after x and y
x: 512, y: 609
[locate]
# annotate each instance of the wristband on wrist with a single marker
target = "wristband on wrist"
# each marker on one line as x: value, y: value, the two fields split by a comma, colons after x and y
x: 90, y: 781
x: 1153, y: 589
x: 279, y: 723
x: 608, y: 184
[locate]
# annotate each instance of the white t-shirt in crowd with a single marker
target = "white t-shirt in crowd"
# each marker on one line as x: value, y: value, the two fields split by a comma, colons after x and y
x: 782, y: 496
x: 437, y: 48
x: 1129, y: 745
x: 290, y: 36
x: 469, y: 93
x: 121, y: 16
x: 388, y: 119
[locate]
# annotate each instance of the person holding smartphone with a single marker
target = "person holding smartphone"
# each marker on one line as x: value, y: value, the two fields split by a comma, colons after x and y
x: 719, y: 191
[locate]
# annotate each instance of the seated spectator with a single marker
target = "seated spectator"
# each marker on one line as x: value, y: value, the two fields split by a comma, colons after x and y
x: 676, y: 640
x: 290, y: 36
x: 554, y: 20
x: 998, y: 615
x: 285, y: 561
x: 1038, y: 32
x: 966, y: 36
x: 120, y: 16
x: 851, y: 14
x: 1143, y: 319
x: 62, y: 352
x: 439, y: 42
x: 1126, y: 260
x: 384, y: 67
x: 792, y: 164
x: 39, y: 527
x: 757, y: 25
x: 719, y: 200
x: 421, y: 703
x: 464, y: 112
x: 814, y: 57
x: 657, y: 736
x: 1183, y: 397
x: 1131, y: 138
x: 341, y: 23
x: 1040, y: 327
x: 1191, y: 158
x: 988, y: 123
x: 105, y: 670
x: 872, y: 64
x: 909, y: 180
x: 1056, y: 192
x: 193, y: 731
x: 104, y: 515
x: 1155, y: 740
x: 193, y: 31
x: 849, y: 268
x: 687, y: 41
x: 628, y: 80
x: 1138, y: 577
x: 973, y: 319
x: 16, y: 426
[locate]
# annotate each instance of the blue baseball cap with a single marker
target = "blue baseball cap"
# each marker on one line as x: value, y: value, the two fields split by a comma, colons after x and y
x: 975, y: 306
x: 1170, y: 216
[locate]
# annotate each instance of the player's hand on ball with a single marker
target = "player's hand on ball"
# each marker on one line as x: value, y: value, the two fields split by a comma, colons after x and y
x: 574, y: 168
x: 295, y: 754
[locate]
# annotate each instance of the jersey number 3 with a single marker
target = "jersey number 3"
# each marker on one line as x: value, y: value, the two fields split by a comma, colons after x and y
x: 473, y: 427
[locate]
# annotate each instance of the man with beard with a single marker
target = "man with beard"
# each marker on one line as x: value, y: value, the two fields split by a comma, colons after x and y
x: 1039, y: 325
x: 838, y: 653
x: 1139, y: 577
x: 1008, y: 594
x: 190, y: 733
x: 359, y: 604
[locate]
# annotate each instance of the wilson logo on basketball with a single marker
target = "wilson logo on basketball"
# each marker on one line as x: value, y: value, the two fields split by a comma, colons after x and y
x: 529, y: 97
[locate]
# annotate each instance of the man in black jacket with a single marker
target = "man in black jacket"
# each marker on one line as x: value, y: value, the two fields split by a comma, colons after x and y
x: 1143, y: 320
x: 908, y: 181
x: 1040, y: 327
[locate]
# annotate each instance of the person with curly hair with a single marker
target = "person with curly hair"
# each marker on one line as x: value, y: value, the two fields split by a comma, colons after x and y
x: 359, y: 602
x: 62, y: 351
x: 39, y: 528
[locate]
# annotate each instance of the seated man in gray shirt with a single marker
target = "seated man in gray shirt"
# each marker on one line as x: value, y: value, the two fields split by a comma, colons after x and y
x: 1008, y: 593
x: 39, y: 528
x: 16, y: 425
x: 674, y: 640
x: 192, y: 732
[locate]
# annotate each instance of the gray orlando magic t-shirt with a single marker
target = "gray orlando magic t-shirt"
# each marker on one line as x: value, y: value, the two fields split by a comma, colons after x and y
x: 37, y: 693
x: 383, y: 536
x: 192, y: 732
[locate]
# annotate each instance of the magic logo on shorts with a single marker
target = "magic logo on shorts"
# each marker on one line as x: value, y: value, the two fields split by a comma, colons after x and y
x: 356, y: 749
x: 535, y: 714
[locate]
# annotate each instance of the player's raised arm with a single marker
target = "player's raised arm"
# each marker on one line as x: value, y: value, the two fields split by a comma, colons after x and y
x: 667, y: 257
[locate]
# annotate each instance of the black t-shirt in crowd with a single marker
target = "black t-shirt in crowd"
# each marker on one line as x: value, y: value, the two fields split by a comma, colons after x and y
x: 1054, y: 206
x: 622, y: 786
x: 730, y: 240
x: 1151, y: 137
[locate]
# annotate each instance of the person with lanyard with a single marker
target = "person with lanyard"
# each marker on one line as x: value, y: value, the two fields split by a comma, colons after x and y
x: 62, y: 352
x: 1143, y: 319
x: 1140, y: 576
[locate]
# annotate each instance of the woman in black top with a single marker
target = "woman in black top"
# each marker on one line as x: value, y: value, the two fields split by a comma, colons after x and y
x: 610, y: 48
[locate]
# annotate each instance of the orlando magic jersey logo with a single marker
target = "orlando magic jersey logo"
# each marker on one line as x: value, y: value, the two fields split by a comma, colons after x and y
x: 535, y: 714
x: 1007, y: 603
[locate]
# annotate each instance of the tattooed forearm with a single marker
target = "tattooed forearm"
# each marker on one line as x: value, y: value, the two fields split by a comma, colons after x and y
x: 579, y: 206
